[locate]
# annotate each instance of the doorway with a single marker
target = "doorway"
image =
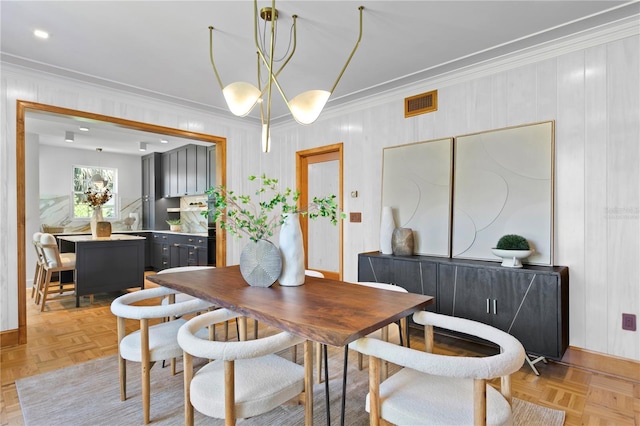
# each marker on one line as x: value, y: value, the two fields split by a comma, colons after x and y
x: 19, y: 336
x: 319, y: 173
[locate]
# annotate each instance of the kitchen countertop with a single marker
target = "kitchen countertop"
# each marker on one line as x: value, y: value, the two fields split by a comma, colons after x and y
x: 113, y: 237
x: 197, y: 234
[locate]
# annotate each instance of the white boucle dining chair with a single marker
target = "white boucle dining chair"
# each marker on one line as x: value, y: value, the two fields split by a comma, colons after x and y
x: 441, y: 389
x: 245, y: 379
x: 149, y: 344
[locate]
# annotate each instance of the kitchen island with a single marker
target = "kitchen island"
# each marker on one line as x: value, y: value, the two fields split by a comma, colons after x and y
x: 105, y: 264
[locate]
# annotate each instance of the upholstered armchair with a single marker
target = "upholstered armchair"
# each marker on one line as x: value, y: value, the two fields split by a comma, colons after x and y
x: 436, y: 389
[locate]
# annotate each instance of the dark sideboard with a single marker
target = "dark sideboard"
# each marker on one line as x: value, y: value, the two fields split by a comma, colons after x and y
x: 531, y: 303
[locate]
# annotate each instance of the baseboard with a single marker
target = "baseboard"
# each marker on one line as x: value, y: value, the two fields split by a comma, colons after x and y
x: 9, y: 338
x: 602, y: 363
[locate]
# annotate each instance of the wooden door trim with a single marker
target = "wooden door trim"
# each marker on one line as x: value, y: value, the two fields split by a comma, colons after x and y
x: 317, y: 155
x: 22, y: 107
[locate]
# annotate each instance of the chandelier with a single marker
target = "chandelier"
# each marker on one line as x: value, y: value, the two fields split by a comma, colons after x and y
x: 242, y: 97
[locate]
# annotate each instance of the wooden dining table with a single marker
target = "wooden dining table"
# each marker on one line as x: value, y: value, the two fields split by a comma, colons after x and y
x: 323, y: 310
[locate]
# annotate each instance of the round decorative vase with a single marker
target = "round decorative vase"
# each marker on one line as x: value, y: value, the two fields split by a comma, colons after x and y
x: 402, y: 242
x: 387, y: 225
x: 292, y: 251
x: 260, y: 263
x: 511, y: 258
x: 95, y: 218
x: 175, y: 228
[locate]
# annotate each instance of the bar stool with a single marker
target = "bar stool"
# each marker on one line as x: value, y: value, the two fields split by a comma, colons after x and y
x: 39, y: 272
x: 54, y: 261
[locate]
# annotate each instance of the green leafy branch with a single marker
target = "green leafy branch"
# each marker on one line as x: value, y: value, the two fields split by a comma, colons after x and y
x: 238, y: 215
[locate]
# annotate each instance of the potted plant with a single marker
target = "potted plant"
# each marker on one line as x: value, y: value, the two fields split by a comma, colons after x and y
x: 511, y: 248
x: 240, y: 216
x: 175, y: 225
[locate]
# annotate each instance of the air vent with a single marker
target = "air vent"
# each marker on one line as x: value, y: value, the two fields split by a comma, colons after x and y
x: 421, y: 104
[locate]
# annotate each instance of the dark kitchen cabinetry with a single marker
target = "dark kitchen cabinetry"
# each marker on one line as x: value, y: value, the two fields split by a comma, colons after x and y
x: 148, y: 249
x: 154, y: 206
x: 185, y: 171
x: 151, y: 188
x: 531, y: 303
x: 161, y: 253
x: 174, y: 250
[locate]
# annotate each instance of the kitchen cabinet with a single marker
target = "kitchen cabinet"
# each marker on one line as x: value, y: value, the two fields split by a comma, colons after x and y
x: 148, y: 249
x: 151, y: 188
x: 174, y: 250
x: 185, y: 171
x: 531, y: 303
x: 161, y: 254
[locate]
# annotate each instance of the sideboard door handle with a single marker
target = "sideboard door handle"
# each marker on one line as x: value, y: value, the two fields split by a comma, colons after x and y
x: 488, y: 311
x: 495, y: 306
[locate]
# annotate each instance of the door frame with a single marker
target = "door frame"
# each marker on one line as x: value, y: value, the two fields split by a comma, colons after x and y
x: 19, y: 335
x: 303, y: 159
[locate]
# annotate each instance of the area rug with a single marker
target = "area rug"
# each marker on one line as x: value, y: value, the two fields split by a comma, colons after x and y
x: 88, y: 394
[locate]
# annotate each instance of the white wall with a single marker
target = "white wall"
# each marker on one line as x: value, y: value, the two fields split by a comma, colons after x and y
x: 590, y: 85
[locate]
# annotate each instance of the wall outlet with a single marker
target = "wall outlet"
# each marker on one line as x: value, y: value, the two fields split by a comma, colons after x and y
x: 629, y: 322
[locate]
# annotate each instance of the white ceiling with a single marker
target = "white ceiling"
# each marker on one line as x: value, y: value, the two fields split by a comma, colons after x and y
x: 161, y: 48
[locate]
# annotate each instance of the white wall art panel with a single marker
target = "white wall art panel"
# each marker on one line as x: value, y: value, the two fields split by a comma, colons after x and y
x: 416, y: 184
x: 503, y: 185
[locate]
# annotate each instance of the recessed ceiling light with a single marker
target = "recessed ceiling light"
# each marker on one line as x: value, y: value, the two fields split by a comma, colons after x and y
x: 41, y: 34
x: 164, y: 141
x: 84, y: 128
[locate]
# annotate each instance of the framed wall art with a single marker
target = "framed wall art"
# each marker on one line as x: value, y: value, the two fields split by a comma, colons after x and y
x: 416, y: 184
x: 503, y: 184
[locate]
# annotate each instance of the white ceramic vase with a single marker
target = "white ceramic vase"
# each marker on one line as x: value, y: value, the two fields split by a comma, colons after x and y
x: 387, y: 225
x: 95, y: 218
x: 291, y: 251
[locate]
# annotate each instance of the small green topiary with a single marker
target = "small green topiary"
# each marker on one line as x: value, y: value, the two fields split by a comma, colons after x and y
x: 512, y: 242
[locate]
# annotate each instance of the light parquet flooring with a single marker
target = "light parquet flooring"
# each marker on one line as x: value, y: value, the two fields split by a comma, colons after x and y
x: 592, y: 390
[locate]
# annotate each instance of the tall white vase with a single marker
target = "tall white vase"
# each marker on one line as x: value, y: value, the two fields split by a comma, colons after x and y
x: 292, y: 252
x: 95, y: 218
x: 387, y: 225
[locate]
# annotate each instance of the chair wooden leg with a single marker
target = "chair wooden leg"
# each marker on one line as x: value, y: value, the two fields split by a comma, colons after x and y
x: 374, y: 391
x: 255, y: 329
x: 229, y: 394
x: 145, y: 367
x: 479, y: 402
x: 187, y: 359
x: 505, y: 387
x: 122, y: 363
x: 45, y: 290
x: 428, y: 338
x: 294, y: 353
x: 308, y: 383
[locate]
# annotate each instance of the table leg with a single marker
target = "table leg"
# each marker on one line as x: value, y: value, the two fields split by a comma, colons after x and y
x: 344, y: 384
x: 326, y: 383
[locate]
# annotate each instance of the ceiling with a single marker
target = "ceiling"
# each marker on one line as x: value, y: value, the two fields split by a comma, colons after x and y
x: 161, y: 48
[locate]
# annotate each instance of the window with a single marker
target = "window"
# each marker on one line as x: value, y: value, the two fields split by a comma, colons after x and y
x: 86, y: 177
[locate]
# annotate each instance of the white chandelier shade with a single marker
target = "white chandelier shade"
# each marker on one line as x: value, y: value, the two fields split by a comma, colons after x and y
x: 307, y: 106
x: 241, y: 97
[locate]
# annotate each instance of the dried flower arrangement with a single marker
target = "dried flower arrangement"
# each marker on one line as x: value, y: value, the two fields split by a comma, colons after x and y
x: 96, y: 198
